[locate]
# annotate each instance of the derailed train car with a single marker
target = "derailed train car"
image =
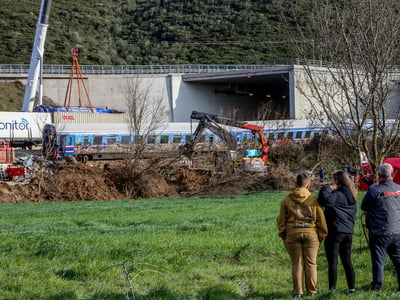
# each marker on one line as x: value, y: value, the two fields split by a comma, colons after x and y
x: 100, y: 141
x: 23, y: 129
x: 72, y: 133
x: 93, y: 140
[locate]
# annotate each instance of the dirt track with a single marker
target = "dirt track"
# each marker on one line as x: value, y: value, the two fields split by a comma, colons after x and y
x: 110, y: 181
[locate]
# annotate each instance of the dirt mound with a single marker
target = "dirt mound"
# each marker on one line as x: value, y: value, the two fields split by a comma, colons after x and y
x: 73, y: 182
x: 191, y: 181
x: 78, y: 182
x: 278, y: 178
x: 17, y: 192
x: 152, y: 185
x: 112, y: 181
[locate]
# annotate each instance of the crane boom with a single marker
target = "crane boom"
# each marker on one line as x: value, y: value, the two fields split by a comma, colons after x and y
x: 37, y: 58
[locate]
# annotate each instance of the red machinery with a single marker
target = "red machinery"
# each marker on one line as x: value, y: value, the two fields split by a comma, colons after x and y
x: 366, y: 178
x: 15, y: 172
x: 7, y: 158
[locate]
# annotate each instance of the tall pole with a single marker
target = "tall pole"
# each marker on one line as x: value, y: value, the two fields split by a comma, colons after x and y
x: 37, y: 57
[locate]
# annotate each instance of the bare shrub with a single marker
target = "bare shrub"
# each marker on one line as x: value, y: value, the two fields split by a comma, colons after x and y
x: 278, y: 178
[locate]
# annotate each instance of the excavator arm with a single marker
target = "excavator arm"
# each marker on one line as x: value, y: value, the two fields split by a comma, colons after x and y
x: 217, y: 130
x: 207, y: 122
x: 220, y: 120
x: 235, y: 123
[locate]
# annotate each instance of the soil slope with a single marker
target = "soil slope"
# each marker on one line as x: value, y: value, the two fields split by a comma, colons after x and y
x: 111, y: 181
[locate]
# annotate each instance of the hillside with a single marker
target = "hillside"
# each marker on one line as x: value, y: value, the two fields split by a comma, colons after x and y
x: 11, y: 96
x: 147, y: 32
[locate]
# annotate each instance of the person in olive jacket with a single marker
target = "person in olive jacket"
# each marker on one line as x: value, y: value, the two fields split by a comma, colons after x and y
x: 339, y: 202
x: 302, y: 227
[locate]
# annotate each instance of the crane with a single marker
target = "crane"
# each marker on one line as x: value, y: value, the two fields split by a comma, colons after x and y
x: 36, y: 64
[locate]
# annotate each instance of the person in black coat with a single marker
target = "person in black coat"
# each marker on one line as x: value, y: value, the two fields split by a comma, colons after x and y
x: 382, y: 206
x: 339, y: 203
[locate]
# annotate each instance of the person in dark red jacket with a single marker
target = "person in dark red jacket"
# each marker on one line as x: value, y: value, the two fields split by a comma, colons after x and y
x: 339, y: 203
x: 382, y: 206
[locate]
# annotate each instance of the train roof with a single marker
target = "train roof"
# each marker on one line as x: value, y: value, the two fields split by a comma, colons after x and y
x: 117, y: 128
x: 175, y: 127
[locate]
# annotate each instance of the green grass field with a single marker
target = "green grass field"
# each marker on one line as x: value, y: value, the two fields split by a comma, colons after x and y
x: 170, y: 248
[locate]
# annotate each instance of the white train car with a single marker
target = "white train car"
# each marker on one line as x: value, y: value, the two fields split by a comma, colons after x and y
x: 23, y: 129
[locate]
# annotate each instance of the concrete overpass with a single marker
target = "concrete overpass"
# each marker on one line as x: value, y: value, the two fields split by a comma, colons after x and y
x: 214, y: 89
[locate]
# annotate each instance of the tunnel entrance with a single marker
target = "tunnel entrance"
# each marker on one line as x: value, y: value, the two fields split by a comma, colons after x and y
x: 250, y: 93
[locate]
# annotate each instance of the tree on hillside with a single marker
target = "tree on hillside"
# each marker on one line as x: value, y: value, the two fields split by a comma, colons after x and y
x: 353, y: 88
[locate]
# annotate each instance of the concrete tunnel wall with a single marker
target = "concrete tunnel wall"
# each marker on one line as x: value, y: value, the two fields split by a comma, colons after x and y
x: 178, y: 97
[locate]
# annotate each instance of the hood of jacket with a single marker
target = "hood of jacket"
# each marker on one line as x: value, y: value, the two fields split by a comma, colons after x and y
x: 299, y: 195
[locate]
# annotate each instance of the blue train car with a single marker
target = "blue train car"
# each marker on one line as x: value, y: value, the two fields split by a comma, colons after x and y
x: 67, y: 140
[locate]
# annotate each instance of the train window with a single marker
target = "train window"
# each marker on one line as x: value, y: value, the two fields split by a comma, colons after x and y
x: 98, y: 140
x: 211, y: 139
x: 176, y: 139
x: 86, y: 140
x: 125, y: 139
x: 111, y: 139
x: 281, y: 135
x: 202, y: 138
x: 164, y: 139
x: 62, y: 142
x: 70, y: 140
x: 298, y: 134
x: 290, y: 135
x: 151, y: 139
x: 271, y: 136
x: 308, y: 134
x: 188, y: 138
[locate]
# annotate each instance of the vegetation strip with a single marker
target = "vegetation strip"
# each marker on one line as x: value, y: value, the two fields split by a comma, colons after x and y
x: 171, y: 248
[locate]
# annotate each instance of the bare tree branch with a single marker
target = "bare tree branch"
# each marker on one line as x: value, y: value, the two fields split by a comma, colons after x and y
x: 145, y: 114
x: 353, y: 89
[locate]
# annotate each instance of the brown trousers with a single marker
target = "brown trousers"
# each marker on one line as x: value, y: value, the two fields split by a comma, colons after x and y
x: 303, y: 250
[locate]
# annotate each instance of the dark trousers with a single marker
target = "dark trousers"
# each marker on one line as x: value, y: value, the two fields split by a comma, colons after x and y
x: 339, y: 244
x: 379, y: 246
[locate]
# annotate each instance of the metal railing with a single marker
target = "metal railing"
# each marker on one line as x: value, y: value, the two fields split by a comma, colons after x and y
x: 132, y: 69
x: 157, y: 69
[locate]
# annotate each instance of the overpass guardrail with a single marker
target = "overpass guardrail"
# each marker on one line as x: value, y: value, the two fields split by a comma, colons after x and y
x: 131, y: 69
x: 156, y: 69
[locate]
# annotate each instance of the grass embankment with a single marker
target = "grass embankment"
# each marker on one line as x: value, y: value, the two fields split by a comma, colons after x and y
x: 11, y: 96
x: 209, y: 248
